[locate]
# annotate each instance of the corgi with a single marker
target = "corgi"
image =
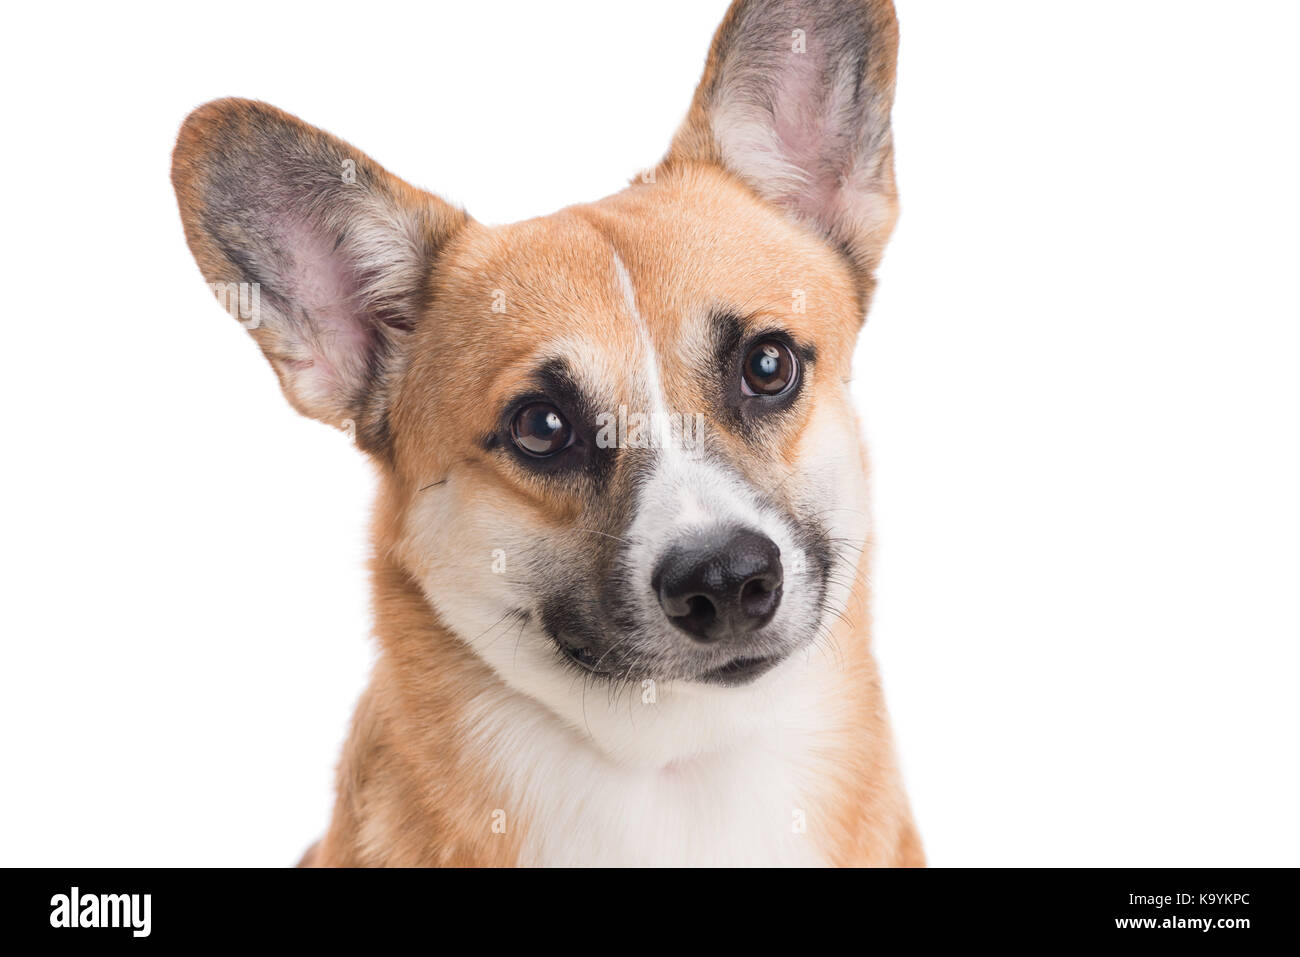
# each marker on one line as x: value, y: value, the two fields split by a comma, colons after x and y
x: 621, y: 531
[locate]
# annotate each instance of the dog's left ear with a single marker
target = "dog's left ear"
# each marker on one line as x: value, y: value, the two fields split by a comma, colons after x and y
x: 795, y: 100
x: 322, y: 253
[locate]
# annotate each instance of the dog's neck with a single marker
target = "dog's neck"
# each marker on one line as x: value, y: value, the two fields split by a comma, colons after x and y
x: 449, y: 764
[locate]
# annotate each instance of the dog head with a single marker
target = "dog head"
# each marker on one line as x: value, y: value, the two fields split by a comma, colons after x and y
x: 616, y: 442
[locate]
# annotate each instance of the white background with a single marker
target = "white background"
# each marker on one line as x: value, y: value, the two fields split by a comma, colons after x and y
x: 1079, y: 382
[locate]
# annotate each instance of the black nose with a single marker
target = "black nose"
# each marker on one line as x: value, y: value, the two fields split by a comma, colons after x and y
x: 720, y: 585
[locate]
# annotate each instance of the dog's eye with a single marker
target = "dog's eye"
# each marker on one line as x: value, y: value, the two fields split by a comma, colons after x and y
x: 770, y: 368
x: 539, y: 429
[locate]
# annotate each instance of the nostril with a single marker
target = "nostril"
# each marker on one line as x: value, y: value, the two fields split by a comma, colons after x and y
x: 759, y: 597
x: 702, y: 611
x: 698, y: 619
x: 701, y: 607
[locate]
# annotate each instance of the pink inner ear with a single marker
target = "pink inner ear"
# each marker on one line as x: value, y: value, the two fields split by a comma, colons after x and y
x: 820, y: 138
x: 337, y: 336
x: 801, y: 153
x: 801, y: 120
x: 806, y: 145
x: 814, y: 126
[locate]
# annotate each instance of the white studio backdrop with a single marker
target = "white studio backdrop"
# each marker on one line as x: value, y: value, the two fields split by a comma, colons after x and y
x: 1078, y: 382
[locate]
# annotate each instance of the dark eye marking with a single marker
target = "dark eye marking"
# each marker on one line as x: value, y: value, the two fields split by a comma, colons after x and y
x: 760, y: 370
x: 550, y: 427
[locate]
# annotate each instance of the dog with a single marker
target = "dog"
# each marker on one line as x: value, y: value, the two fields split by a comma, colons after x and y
x: 620, y: 538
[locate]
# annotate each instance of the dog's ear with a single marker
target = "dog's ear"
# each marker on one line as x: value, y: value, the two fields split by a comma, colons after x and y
x: 322, y: 254
x: 795, y: 100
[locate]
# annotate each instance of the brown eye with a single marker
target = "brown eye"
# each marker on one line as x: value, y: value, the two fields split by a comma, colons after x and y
x: 770, y: 368
x: 539, y: 429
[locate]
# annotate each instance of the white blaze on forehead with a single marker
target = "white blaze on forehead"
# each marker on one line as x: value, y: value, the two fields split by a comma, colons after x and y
x: 688, y: 478
x: 687, y: 494
x: 676, y: 469
x: 658, y: 411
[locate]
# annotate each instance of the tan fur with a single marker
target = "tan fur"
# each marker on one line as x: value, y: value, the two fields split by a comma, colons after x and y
x: 395, y: 805
x: 695, y: 142
x: 412, y: 787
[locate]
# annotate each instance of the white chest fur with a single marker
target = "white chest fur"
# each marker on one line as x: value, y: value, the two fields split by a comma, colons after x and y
x: 750, y: 798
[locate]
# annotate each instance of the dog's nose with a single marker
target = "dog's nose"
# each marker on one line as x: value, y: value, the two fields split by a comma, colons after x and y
x: 720, y: 586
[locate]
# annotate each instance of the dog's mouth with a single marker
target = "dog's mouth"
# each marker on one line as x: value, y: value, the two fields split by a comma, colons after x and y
x: 741, y: 671
x: 584, y: 658
x: 738, y: 671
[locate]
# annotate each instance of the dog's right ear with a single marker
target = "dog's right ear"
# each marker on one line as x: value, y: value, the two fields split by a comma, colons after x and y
x: 795, y: 101
x: 322, y: 254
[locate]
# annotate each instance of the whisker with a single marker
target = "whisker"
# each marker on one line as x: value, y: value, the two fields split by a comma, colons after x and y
x: 513, y: 613
x: 606, y: 534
